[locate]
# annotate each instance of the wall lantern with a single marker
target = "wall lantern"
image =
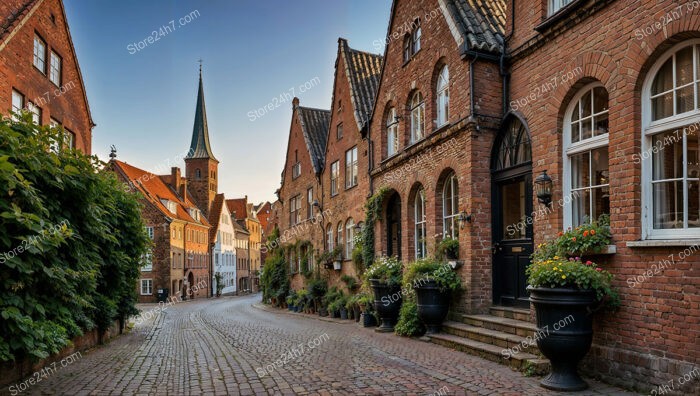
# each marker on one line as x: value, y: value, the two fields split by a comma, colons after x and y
x: 464, y: 218
x: 543, y: 188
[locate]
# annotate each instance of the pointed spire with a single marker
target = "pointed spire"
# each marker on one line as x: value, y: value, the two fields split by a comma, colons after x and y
x: 199, y: 147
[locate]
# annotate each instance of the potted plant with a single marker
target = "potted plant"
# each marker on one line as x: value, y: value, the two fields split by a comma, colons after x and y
x: 434, y: 283
x: 447, y: 249
x: 384, y: 277
x: 353, y: 307
x: 219, y: 284
x: 567, y: 290
x: 342, y: 301
x: 291, y: 300
x: 337, y: 257
x: 303, y: 301
x: 317, y: 288
x: 365, y: 302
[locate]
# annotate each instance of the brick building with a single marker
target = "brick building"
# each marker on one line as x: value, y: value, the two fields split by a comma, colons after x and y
x: 242, y: 244
x: 246, y: 215
x: 39, y: 69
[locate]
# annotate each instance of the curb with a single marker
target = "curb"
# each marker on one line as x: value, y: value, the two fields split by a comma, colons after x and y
x: 265, y: 308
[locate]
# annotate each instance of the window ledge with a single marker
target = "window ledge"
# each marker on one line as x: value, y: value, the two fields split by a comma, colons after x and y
x: 663, y: 243
x: 609, y: 249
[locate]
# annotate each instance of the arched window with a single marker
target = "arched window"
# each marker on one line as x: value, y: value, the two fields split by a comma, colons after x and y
x: 349, y: 237
x: 443, y: 96
x: 514, y: 148
x: 417, y: 117
x: 340, y: 236
x: 419, y: 222
x: 586, y: 175
x: 329, y: 237
x: 392, y: 133
x: 450, y: 204
x: 670, y: 154
x: 416, y: 35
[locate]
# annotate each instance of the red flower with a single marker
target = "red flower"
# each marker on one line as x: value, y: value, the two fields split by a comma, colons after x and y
x: 585, y: 233
x: 592, y: 232
x: 560, y: 233
x: 598, y: 269
x: 573, y: 239
x: 589, y: 263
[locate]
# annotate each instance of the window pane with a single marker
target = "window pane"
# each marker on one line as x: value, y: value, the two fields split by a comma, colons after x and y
x: 662, y: 106
x: 586, y: 105
x: 685, y: 99
x: 580, y: 207
x: 693, y: 162
x: 601, y: 124
x: 601, y: 201
x: 599, y: 166
x: 664, y: 79
x: 600, y: 99
x: 684, y: 66
x: 580, y: 170
x: 575, y: 133
x: 668, y: 205
x: 693, y: 204
x: 513, y: 204
x: 586, y: 128
x: 667, y: 155
x: 575, y: 114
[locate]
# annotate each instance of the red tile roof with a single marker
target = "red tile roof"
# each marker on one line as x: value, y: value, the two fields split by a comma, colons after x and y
x: 238, y: 208
x: 217, y: 206
x: 154, y: 189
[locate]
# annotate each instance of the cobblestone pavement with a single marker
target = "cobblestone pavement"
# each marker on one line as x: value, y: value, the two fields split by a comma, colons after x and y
x: 226, y: 346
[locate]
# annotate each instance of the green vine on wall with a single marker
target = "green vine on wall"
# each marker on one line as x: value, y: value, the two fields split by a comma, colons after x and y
x: 373, y: 209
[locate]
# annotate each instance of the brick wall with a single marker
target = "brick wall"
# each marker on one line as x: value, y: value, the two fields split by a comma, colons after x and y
x: 65, y: 102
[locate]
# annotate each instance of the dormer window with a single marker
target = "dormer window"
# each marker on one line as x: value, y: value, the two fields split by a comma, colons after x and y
x: 170, y: 205
x: 556, y: 5
x: 194, y: 213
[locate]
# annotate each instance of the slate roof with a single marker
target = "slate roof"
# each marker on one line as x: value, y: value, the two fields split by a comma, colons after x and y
x: 154, y: 188
x: 238, y: 227
x: 363, y: 71
x: 200, y: 147
x: 314, y: 125
x: 217, y: 206
x: 238, y: 208
x: 12, y: 14
x: 480, y: 22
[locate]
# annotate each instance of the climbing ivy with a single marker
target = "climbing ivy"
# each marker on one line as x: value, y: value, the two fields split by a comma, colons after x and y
x: 373, y: 209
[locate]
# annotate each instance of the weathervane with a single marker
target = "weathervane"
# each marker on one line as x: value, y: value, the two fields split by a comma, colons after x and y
x: 113, y: 152
x: 200, y: 66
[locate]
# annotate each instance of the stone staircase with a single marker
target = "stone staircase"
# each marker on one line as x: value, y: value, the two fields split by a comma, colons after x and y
x: 491, y: 336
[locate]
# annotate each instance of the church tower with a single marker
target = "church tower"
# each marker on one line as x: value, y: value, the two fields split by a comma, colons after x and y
x: 201, y: 167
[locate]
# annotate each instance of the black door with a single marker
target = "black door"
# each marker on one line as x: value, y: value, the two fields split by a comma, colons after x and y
x: 512, y: 246
x: 393, y: 227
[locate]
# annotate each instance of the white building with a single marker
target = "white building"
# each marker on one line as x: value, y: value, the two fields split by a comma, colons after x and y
x: 223, y: 250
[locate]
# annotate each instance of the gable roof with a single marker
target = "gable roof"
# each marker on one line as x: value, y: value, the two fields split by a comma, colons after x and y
x: 154, y: 189
x: 363, y: 71
x: 15, y: 18
x: 199, y: 146
x: 238, y: 227
x: 238, y: 207
x: 481, y: 23
x: 217, y: 206
x: 314, y: 125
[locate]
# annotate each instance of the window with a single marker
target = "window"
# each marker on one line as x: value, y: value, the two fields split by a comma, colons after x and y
x: 147, y: 262
x: 40, y: 54
x: 556, y: 5
x: 68, y: 139
x: 586, y: 174
x: 296, y: 170
x: 514, y: 148
x: 294, y: 210
x: 415, y: 37
x: 351, y: 168
x: 670, y: 145
x: 17, y: 104
x: 340, y: 236
x: 146, y: 287
x: 329, y: 237
x: 349, y: 237
x: 419, y: 220
x: 335, y: 175
x: 36, y: 112
x: 197, y: 173
x: 450, y: 202
x: 392, y: 133
x: 149, y: 232
x: 55, y: 70
x: 339, y: 131
x: 310, y: 203
x: 417, y: 117
x: 443, y: 97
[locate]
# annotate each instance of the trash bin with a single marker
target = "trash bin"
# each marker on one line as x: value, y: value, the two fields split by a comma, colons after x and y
x: 162, y: 295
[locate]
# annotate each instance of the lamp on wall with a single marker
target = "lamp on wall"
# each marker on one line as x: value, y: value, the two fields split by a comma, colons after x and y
x: 543, y: 188
x: 463, y: 218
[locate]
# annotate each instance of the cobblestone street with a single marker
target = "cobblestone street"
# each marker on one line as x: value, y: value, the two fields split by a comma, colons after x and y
x: 226, y: 347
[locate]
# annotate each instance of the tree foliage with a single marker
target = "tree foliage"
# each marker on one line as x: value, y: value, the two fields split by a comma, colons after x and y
x: 71, y: 239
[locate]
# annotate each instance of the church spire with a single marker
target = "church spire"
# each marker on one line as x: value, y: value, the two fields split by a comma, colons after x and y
x: 199, y: 147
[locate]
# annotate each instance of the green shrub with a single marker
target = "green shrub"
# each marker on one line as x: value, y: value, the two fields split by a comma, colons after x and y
x: 421, y: 271
x: 350, y: 282
x: 387, y: 270
x: 408, y: 324
x: 448, y: 247
x: 274, y: 280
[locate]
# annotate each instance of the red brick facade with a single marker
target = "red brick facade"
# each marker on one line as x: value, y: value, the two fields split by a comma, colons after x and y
x: 64, y: 103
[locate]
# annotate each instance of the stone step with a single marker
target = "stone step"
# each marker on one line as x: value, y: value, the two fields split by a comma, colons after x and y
x: 515, y: 343
x: 506, y: 325
x: 511, y: 313
x: 522, y: 361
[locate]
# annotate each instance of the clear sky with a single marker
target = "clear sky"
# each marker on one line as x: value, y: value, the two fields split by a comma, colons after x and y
x: 142, y: 95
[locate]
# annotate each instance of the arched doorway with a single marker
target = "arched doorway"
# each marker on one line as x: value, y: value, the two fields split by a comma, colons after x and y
x: 511, y: 181
x: 190, y: 283
x: 393, y: 226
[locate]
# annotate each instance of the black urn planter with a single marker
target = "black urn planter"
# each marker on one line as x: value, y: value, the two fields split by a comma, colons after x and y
x: 343, y: 313
x: 433, y: 305
x: 356, y: 312
x: 565, y: 333
x: 387, y: 303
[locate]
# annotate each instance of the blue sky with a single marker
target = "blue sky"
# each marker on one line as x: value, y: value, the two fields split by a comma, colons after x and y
x: 142, y: 96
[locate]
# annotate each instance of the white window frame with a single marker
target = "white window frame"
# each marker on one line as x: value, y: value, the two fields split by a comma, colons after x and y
x: 329, y: 237
x: 579, y: 147
x: 651, y: 128
x: 39, y: 56
x: 420, y: 224
x: 35, y: 111
x: 296, y: 170
x: 417, y: 117
x: 351, y: 168
x: 310, y: 202
x: 452, y: 181
x: 443, y: 96
x: 335, y: 176
x: 415, y: 38
x: 392, y: 133
x: 556, y: 5
x: 55, y: 68
x: 16, y: 95
x: 340, y: 236
x: 349, y: 237
x: 150, y: 232
x: 149, y: 287
x: 147, y: 262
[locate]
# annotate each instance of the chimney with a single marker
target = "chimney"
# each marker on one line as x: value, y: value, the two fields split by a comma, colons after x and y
x: 295, y: 102
x: 183, y: 188
x: 175, y: 177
